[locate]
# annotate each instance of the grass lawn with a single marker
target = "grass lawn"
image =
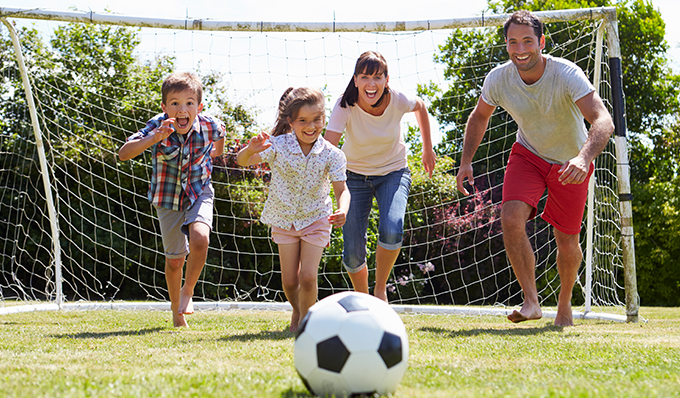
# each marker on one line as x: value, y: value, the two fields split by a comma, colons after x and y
x: 250, y: 354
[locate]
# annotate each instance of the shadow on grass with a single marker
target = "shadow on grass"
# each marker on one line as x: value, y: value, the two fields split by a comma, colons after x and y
x: 263, y: 335
x: 104, y: 335
x: 295, y: 394
x: 497, y: 332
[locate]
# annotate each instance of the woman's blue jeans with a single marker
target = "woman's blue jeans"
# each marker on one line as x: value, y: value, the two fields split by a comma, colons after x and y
x: 391, y: 192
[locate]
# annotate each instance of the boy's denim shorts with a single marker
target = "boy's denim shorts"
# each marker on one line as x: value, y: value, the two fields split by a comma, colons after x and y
x: 175, y: 224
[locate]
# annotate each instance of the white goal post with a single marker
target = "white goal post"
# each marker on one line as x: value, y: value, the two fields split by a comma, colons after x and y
x: 84, y: 235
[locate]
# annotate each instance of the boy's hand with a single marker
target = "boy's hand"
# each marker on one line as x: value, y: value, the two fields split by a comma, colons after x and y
x: 338, y: 218
x: 259, y: 143
x: 164, y: 130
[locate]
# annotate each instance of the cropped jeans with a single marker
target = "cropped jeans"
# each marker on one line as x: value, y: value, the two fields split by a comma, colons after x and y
x: 391, y: 192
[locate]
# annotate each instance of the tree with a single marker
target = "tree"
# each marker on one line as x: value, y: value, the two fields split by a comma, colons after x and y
x: 92, y: 91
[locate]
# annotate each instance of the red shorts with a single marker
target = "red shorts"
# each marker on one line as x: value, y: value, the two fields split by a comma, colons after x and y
x: 526, y: 178
x: 317, y: 234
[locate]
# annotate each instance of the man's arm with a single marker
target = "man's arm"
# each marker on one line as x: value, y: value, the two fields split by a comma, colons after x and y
x: 576, y: 170
x: 474, y: 133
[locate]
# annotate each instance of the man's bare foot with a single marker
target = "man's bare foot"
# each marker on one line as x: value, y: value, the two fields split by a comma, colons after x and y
x: 527, y: 313
x: 294, y: 321
x: 381, y: 294
x: 564, y: 316
x: 186, y: 304
x: 178, y: 321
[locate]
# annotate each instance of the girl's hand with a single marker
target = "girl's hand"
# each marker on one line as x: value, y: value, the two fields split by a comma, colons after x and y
x: 338, y: 218
x: 259, y: 143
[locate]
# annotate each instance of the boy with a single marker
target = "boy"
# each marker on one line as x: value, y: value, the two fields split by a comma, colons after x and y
x: 183, y: 144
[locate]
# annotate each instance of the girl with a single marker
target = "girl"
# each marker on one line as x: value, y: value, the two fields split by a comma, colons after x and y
x: 299, y: 207
x: 370, y: 113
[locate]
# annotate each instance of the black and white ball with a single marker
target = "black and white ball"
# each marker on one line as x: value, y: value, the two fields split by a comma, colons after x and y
x: 351, y: 343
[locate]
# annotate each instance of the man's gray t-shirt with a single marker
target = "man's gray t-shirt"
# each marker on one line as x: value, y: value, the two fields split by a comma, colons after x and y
x: 550, y: 124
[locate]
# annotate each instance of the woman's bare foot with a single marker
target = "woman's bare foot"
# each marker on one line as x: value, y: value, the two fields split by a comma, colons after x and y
x: 380, y: 293
x: 527, y: 313
x: 294, y: 321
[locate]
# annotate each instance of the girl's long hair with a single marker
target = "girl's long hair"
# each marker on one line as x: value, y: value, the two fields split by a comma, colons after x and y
x: 290, y: 103
x: 368, y: 63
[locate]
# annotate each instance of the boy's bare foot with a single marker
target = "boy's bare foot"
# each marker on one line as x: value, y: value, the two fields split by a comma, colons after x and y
x: 186, y: 304
x: 527, y: 313
x: 381, y: 294
x: 178, y: 321
x: 294, y: 321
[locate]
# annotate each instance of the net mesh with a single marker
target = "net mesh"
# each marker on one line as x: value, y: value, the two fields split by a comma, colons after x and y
x: 110, y: 240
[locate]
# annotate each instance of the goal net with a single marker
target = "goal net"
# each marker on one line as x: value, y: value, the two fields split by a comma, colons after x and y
x: 94, y: 84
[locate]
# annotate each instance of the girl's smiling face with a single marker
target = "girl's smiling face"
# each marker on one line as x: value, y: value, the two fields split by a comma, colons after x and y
x: 308, y: 125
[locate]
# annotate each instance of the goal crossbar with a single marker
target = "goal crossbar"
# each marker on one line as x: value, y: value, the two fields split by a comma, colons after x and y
x: 262, y: 26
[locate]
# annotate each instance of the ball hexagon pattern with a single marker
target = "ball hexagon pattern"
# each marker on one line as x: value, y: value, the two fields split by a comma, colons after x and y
x: 351, y: 343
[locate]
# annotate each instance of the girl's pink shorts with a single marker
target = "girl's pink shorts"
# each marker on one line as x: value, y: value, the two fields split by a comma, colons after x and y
x: 317, y: 234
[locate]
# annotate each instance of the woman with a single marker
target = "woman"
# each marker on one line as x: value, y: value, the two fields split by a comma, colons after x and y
x: 370, y: 114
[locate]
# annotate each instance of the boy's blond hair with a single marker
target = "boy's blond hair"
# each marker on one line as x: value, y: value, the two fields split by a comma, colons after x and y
x: 182, y: 81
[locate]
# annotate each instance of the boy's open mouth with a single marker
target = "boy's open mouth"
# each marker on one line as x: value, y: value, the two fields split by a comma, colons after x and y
x: 182, y: 122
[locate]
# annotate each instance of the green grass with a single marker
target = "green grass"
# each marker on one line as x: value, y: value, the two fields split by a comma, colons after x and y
x: 250, y: 354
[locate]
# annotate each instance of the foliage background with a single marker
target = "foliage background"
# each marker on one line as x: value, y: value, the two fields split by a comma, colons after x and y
x: 104, y: 58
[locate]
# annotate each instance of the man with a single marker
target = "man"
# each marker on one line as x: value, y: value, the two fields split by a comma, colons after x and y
x: 548, y: 98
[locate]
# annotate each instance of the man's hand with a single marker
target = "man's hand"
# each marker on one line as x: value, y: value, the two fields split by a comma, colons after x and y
x: 464, y: 171
x: 575, y: 171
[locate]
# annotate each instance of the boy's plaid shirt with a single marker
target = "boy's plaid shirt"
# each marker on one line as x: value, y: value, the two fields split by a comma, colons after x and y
x: 181, y: 163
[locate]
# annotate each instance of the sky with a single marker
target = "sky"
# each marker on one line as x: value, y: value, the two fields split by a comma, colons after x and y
x: 315, y: 11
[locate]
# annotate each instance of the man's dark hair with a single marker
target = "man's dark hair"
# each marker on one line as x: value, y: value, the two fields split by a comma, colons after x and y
x: 524, y: 17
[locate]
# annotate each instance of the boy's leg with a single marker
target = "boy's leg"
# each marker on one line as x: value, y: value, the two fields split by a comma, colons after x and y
x: 197, y: 226
x: 176, y: 248
x: 289, y: 256
x: 199, y: 240
x: 173, y: 278
x: 310, y: 257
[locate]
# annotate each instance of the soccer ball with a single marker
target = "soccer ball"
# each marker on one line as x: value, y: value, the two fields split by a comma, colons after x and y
x: 351, y: 343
